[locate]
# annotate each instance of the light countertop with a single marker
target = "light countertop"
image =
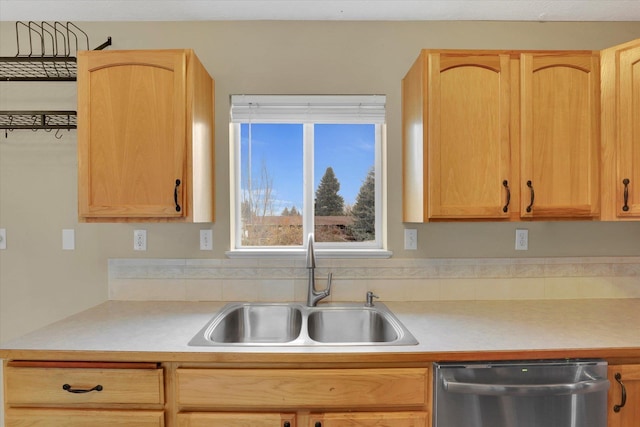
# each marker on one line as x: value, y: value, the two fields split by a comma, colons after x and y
x: 160, y: 331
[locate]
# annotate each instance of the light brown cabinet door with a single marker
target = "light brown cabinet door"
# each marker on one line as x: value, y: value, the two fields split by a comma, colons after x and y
x: 469, y: 146
x: 628, y: 87
x: 627, y: 415
x: 236, y: 419
x: 560, y: 139
x: 131, y: 133
x: 82, y: 418
x: 370, y: 419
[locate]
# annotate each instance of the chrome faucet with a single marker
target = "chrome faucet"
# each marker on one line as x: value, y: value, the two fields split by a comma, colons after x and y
x: 313, y: 296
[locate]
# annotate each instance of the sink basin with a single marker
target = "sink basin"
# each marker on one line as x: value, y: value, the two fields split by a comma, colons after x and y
x: 295, y: 324
x: 256, y: 323
x: 345, y: 325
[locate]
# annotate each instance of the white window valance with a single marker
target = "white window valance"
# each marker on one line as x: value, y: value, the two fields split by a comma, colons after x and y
x: 308, y: 108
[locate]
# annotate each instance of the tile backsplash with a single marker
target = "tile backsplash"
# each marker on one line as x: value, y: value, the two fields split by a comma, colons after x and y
x: 391, y: 279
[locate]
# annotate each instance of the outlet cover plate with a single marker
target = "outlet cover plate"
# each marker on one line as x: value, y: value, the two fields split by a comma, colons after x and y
x: 68, y: 239
x: 139, y: 240
x: 206, y: 240
x: 522, y: 240
x: 410, y: 239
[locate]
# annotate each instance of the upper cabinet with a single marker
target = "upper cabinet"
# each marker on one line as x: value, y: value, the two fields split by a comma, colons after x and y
x: 145, y: 137
x: 560, y: 135
x: 501, y: 135
x: 457, y: 152
x: 621, y: 132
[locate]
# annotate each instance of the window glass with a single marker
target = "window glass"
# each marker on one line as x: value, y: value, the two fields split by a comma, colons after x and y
x: 344, y: 199
x: 271, y: 184
x: 305, y: 164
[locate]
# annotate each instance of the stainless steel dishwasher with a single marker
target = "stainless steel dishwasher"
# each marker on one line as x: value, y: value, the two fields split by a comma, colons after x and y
x: 557, y: 393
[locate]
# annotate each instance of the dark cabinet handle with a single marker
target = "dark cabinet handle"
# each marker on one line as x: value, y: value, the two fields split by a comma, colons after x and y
x: 623, y: 400
x: 505, y: 184
x: 626, y: 183
x: 318, y: 424
x: 530, y: 185
x: 68, y: 388
x: 175, y: 196
x: 287, y: 424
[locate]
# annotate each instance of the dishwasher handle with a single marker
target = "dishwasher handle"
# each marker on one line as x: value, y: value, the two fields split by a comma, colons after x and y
x: 580, y: 387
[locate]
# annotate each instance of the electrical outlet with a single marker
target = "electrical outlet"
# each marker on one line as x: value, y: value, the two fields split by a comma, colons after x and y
x: 410, y: 239
x: 3, y: 238
x: 206, y: 240
x: 522, y: 240
x: 139, y: 240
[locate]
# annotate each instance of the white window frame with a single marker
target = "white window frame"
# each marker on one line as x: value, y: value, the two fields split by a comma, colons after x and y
x: 309, y: 110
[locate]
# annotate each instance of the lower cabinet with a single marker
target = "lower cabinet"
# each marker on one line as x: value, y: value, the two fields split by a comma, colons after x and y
x: 624, y: 396
x: 236, y: 419
x: 370, y: 419
x: 336, y: 419
x: 82, y: 418
x: 79, y: 394
x: 376, y: 397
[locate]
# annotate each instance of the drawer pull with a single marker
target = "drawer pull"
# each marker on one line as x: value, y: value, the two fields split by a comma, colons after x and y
x: 616, y: 408
x: 626, y: 183
x: 505, y: 184
x: 175, y: 196
x: 533, y: 196
x: 68, y: 388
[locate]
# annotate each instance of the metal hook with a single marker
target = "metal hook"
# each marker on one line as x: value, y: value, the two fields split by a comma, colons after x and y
x: 45, y: 123
x: 58, y: 134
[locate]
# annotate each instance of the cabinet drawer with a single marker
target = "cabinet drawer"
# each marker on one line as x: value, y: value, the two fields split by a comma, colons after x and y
x: 82, y: 418
x: 309, y: 388
x: 236, y: 419
x: 370, y: 419
x: 38, y: 386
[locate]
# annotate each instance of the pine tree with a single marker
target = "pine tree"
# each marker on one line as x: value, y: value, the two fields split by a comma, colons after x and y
x: 364, y: 210
x: 328, y: 201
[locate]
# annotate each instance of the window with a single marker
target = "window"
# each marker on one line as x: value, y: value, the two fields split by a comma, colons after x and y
x: 307, y: 164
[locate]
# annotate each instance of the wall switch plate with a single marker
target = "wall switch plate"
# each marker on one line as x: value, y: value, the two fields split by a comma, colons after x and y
x: 68, y: 239
x: 3, y: 238
x: 522, y: 240
x: 410, y: 239
x: 206, y: 240
x: 139, y: 240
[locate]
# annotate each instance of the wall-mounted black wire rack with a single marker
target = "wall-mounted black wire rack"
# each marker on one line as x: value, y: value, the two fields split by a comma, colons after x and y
x: 38, y: 119
x: 45, y: 53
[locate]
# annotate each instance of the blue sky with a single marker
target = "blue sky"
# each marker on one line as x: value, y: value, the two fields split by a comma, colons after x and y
x: 348, y: 149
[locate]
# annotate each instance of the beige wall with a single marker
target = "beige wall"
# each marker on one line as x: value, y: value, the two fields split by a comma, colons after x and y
x: 40, y: 283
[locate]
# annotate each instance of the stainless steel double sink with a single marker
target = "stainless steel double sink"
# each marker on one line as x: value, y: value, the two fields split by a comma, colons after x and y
x: 294, y: 324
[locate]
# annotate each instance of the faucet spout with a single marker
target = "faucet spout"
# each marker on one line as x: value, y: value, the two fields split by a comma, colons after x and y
x: 313, y: 295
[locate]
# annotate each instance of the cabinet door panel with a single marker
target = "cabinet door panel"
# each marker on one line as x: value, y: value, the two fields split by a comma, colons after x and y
x: 629, y: 415
x: 132, y: 129
x: 560, y: 135
x: 82, y: 418
x: 629, y: 132
x: 468, y: 133
x: 236, y: 419
x: 371, y: 419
